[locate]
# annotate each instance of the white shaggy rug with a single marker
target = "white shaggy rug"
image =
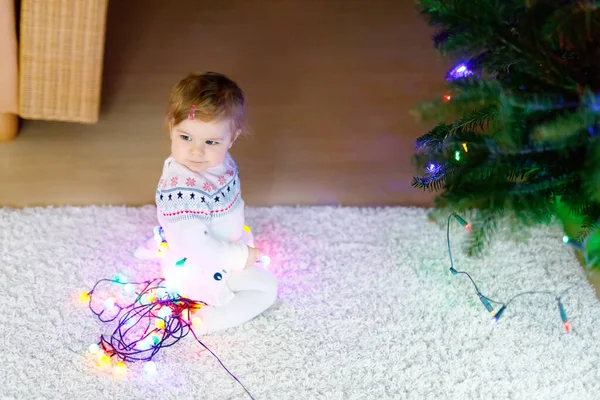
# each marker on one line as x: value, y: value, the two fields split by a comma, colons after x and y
x: 367, y: 310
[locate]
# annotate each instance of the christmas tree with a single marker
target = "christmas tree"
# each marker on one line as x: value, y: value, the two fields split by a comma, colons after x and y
x: 517, y: 131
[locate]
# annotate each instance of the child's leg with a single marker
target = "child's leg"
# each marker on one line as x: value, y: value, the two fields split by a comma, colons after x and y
x: 255, y: 291
x: 147, y: 250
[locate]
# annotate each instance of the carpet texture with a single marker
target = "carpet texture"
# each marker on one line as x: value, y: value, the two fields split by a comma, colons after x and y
x: 367, y: 310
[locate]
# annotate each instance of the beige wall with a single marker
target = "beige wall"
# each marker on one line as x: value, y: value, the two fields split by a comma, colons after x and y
x: 329, y: 85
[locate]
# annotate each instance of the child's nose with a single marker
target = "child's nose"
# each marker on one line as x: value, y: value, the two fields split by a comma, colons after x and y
x: 198, y: 150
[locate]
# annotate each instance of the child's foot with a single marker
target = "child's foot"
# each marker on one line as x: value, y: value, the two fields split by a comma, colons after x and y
x: 146, y: 251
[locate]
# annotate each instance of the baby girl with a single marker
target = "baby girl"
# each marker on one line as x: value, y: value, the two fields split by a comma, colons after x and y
x: 210, y: 256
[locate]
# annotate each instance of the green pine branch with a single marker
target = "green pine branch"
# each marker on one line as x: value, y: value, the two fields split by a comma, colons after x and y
x: 521, y: 134
x: 475, y: 121
x: 564, y: 127
x: 590, y: 223
x: 467, y: 97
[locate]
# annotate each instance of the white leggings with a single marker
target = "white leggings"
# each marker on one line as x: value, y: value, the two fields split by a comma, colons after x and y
x: 255, y: 290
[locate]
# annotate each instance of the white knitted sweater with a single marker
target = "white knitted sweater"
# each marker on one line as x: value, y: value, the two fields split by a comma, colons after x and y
x: 202, y: 215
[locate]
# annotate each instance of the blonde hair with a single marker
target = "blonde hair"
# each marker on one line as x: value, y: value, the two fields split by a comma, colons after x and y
x: 215, y: 96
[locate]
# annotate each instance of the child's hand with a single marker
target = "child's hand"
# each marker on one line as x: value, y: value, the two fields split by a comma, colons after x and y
x: 253, y: 256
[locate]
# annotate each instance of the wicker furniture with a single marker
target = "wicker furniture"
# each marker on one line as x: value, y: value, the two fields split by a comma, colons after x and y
x: 61, y: 49
x: 61, y: 57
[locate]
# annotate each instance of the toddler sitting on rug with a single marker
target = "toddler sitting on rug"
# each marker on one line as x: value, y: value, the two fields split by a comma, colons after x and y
x: 210, y: 257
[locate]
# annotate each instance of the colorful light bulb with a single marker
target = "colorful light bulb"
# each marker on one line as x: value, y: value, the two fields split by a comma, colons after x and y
x: 573, y: 243
x: 103, y: 358
x: 154, y: 338
x: 151, y: 297
x: 563, y: 316
x: 148, y: 342
x: 120, y: 369
x: 460, y: 71
x: 110, y: 303
x: 84, y: 297
x: 150, y: 367
x: 120, y: 278
x: 462, y: 222
x: 265, y: 260
x: 247, y: 229
x: 164, y: 312
x: 497, y: 315
x: 94, y: 348
x: 145, y: 344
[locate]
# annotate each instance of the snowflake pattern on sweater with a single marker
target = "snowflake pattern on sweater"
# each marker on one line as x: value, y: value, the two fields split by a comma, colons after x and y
x: 183, y: 194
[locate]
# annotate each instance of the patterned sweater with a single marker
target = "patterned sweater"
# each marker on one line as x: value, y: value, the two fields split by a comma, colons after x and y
x: 202, y: 215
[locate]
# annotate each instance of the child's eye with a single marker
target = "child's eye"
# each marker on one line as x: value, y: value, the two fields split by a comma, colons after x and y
x: 211, y: 142
x: 185, y: 137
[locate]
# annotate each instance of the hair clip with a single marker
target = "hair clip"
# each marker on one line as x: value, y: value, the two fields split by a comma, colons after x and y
x: 192, y: 113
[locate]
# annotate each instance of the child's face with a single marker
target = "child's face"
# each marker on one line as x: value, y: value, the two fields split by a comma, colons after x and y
x: 201, y: 145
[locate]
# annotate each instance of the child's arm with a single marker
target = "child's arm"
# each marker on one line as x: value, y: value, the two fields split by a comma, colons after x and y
x: 193, y: 239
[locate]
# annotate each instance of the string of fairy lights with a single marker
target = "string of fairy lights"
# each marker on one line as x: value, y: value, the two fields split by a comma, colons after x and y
x: 433, y: 169
x: 487, y: 301
x: 148, y: 316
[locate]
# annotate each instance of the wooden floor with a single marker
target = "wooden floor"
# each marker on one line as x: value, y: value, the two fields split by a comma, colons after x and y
x: 329, y: 84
